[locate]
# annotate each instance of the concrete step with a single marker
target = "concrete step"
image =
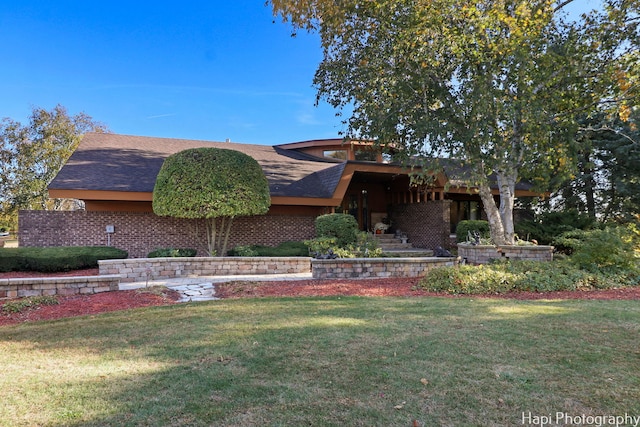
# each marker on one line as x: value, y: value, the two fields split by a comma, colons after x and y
x: 395, y: 245
x: 384, y: 236
x: 409, y: 253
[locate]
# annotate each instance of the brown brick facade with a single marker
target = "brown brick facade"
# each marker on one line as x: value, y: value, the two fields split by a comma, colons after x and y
x: 426, y: 224
x: 140, y: 233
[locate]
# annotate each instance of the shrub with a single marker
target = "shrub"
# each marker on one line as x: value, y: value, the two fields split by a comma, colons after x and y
x: 53, y: 259
x: 321, y: 245
x: 365, y: 246
x: 283, y: 249
x: 172, y: 253
x: 243, y: 251
x: 533, y: 276
x: 612, y: 249
x: 549, y: 225
x: 464, y: 227
x: 343, y: 227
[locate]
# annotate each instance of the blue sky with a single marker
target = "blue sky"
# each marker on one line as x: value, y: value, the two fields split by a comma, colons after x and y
x: 199, y: 69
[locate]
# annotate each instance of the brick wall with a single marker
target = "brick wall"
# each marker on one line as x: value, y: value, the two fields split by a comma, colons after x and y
x: 426, y: 224
x: 140, y: 233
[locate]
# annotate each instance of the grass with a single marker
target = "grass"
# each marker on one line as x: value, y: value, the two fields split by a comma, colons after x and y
x: 324, y: 362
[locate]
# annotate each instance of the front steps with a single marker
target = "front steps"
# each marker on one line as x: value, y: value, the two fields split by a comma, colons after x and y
x: 394, y: 247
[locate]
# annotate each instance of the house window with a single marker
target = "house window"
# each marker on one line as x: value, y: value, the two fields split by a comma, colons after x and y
x: 366, y: 155
x: 335, y: 154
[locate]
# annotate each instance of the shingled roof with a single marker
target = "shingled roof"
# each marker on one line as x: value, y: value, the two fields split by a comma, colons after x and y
x: 111, y: 162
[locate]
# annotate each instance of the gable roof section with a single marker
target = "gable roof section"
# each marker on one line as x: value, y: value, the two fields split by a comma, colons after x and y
x: 122, y: 163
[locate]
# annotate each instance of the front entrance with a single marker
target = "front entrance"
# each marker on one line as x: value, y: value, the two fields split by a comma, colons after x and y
x: 357, y: 205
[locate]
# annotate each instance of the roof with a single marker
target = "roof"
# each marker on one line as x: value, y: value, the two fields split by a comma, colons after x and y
x: 106, y: 162
x: 111, y: 162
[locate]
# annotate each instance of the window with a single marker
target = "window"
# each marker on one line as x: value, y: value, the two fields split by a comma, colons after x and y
x: 335, y: 154
x: 366, y: 155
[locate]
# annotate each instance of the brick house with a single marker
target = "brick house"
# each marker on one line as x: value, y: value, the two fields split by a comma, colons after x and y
x: 115, y: 174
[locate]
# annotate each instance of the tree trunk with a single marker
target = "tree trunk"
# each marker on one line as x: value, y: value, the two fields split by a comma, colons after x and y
x: 507, y: 189
x: 226, y: 232
x: 493, y: 214
x: 211, y: 236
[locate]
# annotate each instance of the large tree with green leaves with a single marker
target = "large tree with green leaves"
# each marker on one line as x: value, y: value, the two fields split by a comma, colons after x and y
x: 497, y: 84
x: 32, y: 154
x: 214, y: 184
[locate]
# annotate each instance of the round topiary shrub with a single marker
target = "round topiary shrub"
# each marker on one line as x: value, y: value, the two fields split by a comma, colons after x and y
x: 342, y: 227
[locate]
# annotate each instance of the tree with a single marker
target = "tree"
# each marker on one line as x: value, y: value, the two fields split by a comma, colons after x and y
x: 497, y: 84
x: 31, y: 155
x: 606, y: 185
x: 214, y: 184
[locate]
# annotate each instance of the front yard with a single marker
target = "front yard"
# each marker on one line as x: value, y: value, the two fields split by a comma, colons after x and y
x: 325, y: 361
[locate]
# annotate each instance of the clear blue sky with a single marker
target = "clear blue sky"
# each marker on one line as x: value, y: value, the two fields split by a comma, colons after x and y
x: 198, y: 69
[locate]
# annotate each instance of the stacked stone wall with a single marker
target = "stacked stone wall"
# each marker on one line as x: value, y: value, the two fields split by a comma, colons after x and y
x: 371, y: 268
x: 26, y: 287
x: 140, y: 233
x: 484, y: 254
x: 136, y: 270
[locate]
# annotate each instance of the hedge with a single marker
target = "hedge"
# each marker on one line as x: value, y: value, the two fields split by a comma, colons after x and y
x: 54, y: 259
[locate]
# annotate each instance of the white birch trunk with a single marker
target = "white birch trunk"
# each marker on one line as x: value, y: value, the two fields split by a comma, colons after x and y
x: 493, y: 214
x: 507, y: 189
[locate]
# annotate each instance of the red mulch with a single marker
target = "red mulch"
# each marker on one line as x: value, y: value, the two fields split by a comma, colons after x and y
x: 122, y: 300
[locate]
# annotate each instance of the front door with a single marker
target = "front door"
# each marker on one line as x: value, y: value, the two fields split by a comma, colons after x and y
x: 358, y: 207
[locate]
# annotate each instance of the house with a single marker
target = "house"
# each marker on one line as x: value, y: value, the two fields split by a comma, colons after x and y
x: 115, y: 174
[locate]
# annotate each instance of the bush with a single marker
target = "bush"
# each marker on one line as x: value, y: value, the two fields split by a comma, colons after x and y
x: 283, y: 249
x: 54, y: 259
x: 549, y: 225
x: 22, y: 304
x: 464, y: 227
x: 243, y: 251
x: 321, y: 245
x: 343, y: 227
x: 172, y: 253
x: 612, y: 249
x: 533, y: 276
x: 365, y: 246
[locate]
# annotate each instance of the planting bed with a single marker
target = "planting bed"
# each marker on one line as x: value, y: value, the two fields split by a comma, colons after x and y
x: 397, y: 287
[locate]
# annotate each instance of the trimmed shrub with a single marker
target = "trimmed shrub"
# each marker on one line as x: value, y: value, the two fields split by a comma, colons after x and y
x: 283, y: 249
x: 343, y: 227
x: 464, y: 227
x: 172, y: 253
x: 243, y: 251
x: 54, y: 259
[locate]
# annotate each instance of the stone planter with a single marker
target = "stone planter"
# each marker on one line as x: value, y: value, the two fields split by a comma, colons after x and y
x: 483, y: 254
x: 373, y: 268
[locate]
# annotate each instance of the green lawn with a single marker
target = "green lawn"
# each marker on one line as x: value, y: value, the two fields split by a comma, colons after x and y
x: 325, y: 362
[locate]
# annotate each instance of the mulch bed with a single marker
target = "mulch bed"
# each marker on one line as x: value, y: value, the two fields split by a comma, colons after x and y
x: 82, y: 305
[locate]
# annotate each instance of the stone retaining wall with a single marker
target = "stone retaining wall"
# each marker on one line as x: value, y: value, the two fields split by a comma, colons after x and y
x: 141, y: 269
x: 370, y: 268
x: 27, y: 287
x: 483, y: 254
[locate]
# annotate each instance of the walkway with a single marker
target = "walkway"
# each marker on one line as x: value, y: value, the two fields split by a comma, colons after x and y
x: 203, y: 288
